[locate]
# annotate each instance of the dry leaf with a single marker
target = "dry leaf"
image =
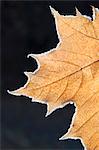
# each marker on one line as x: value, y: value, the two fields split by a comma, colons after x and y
x: 70, y: 72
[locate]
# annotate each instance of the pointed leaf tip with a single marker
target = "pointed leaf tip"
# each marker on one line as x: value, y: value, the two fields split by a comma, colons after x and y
x: 34, y: 56
x: 62, y: 138
x: 49, y: 110
x: 53, y: 11
x: 78, y: 12
x: 68, y: 135
x: 31, y: 55
x: 15, y: 93
x: 95, y: 11
x: 28, y: 74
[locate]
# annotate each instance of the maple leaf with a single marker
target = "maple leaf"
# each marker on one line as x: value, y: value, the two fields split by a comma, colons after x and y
x: 70, y: 71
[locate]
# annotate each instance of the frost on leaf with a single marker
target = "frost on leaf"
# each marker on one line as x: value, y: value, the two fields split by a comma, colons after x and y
x: 70, y: 71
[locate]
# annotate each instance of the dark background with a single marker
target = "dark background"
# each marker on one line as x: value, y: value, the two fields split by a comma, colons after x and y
x: 28, y: 27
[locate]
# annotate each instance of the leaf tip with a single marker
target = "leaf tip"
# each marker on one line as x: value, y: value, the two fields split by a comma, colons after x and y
x: 95, y: 12
x: 78, y: 12
x: 68, y: 135
x: 28, y: 74
x: 63, y: 137
x: 15, y: 93
x: 53, y: 11
x: 51, y: 107
x: 36, y: 57
x: 49, y: 110
x: 31, y: 55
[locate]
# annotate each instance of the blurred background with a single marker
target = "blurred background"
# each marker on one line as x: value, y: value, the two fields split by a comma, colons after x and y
x: 28, y: 27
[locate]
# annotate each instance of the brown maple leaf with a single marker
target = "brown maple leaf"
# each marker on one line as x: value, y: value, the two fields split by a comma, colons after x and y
x: 70, y: 71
